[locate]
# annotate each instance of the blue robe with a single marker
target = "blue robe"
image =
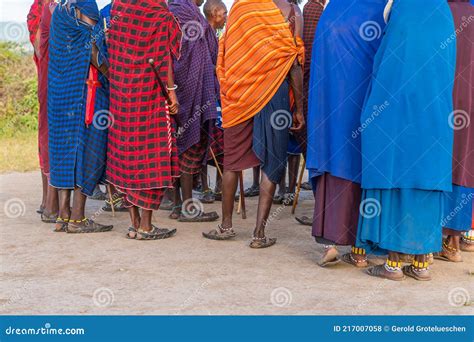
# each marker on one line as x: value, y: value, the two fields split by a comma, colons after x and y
x: 407, y: 148
x: 347, y: 38
x: 77, y: 152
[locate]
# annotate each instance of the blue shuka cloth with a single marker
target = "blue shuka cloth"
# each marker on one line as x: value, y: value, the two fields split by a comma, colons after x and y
x: 270, y: 134
x: 458, y: 208
x: 407, y: 147
x: 347, y: 38
x: 400, y: 220
x: 77, y: 153
x: 409, y: 143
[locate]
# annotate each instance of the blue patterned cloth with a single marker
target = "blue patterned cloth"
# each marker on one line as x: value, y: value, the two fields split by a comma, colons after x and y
x: 77, y: 153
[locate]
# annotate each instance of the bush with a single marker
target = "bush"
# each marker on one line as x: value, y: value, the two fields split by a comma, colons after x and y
x: 18, y: 91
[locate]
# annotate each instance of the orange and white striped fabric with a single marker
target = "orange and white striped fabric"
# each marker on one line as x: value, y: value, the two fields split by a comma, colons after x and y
x: 256, y: 53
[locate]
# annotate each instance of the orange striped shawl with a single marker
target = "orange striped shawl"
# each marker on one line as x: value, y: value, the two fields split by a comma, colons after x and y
x: 256, y: 53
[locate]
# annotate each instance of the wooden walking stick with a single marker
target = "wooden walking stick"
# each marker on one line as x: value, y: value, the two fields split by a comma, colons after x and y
x: 111, y: 199
x: 298, y: 186
x: 242, y: 196
x: 215, y: 161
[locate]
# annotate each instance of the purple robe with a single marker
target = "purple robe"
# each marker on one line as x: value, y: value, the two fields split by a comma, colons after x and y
x: 195, y: 74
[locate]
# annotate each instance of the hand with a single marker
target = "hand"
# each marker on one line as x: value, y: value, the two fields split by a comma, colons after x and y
x: 298, y: 122
x: 174, y: 105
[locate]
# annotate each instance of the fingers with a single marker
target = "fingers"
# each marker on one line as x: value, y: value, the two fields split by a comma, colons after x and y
x: 173, y: 108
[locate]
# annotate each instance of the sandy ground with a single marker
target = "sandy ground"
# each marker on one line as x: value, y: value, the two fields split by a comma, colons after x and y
x: 55, y: 273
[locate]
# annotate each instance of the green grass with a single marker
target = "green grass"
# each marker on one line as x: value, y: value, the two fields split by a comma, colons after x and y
x: 18, y: 109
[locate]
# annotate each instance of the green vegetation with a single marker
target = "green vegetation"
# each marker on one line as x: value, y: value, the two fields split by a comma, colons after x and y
x: 18, y: 109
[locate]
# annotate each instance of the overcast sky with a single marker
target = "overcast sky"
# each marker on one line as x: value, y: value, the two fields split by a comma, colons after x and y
x: 16, y: 10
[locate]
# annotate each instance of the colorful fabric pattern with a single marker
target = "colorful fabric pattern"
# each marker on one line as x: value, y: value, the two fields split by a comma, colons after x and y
x: 77, y: 152
x: 256, y: 53
x: 194, y: 74
x: 142, y: 152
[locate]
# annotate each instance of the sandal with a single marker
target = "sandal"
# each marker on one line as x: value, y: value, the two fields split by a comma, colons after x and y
x: 218, y: 196
x: 349, y: 259
x: 304, y: 220
x: 40, y: 209
x: 201, y: 217
x: 288, y: 199
x: 329, y: 260
x: 466, y: 246
x: 253, y: 191
x: 131, y: 233
x: 86, y: 225
x: 306, y: 186
x: 175, y: 212
x: 262, y: 242
x: 49, y: 218
x: 421, y: 274
x: 448, y: 254
x: 278, y: 199
x: 61, y: 225
x: 155, y: 233
x: 220, y: 233
x: 381, y: 271
x: 207, y: 197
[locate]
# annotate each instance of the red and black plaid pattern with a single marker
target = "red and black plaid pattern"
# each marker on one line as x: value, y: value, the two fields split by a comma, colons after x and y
x: 217, y: 145
x: 191, y: 160
x: 142, y: 153
x: 311, y: 13
x: 148, y: 199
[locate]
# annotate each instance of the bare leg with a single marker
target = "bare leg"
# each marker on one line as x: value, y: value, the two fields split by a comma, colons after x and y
x: 64, y: 197
x: 204, y: 182
x: 186, y: 182
x: 293, y: 167
x: 52, y: 201
x: 134, y: 216
x: 267, y: 190
x: 256, y: 176
x: 218, y: 187
x: 229, y: 188
x: 145, y: 221
x: 44, y: 181
x: 78, y: 205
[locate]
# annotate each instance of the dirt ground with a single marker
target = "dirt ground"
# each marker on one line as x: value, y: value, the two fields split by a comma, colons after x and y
x: 56, y: 273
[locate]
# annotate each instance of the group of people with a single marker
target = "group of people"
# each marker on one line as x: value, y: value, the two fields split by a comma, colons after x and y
x: 376, y: 95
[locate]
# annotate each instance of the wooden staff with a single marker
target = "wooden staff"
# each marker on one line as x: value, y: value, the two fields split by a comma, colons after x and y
x: 242, y: 196
x: 298, y: 186
x: 111, y: 199
x: 215, y: 161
